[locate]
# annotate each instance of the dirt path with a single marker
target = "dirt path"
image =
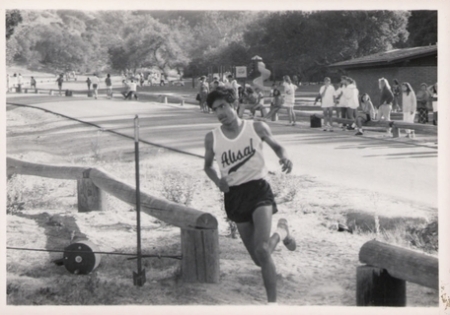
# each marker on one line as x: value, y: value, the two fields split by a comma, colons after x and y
x: 320, y: 272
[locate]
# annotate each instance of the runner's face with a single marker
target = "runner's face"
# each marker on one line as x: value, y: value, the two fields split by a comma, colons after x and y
x: 223, y: 111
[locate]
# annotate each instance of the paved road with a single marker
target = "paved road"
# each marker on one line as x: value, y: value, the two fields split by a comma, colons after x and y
x: 401, y: 168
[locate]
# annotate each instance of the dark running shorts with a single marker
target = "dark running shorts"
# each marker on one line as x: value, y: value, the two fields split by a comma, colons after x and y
x: 242, y: 200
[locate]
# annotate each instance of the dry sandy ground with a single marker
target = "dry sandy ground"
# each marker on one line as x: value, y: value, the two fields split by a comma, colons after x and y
x: 322, y: 271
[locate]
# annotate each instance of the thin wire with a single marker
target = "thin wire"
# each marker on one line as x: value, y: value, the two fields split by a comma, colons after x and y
x: 93, y: 252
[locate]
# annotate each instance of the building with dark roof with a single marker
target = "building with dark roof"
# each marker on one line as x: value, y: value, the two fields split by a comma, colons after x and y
x: 415, y: 65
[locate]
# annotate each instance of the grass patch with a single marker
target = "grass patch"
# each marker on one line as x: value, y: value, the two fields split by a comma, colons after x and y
x: 415, y: 233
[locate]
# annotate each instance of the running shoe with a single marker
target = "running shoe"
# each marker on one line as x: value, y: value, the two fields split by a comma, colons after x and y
x: 288, y: 241
x: 359, y: 133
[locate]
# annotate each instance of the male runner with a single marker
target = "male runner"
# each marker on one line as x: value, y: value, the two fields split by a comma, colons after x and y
x: 249, y: 202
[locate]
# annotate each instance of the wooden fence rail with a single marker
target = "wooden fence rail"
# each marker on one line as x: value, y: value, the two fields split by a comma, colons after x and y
x: 198, y: 229
x: 382, y: 281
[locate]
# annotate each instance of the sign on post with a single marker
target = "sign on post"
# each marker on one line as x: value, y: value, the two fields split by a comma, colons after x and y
x: 241, y: 72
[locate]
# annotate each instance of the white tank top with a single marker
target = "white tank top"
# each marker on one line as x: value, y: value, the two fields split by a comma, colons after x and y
x: 241, y: 159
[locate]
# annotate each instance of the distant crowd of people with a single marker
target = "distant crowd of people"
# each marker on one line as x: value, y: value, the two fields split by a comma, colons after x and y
x: 344, y: 101
x: 16, y: 81
x: 348, y: 103
x: 251, y: 98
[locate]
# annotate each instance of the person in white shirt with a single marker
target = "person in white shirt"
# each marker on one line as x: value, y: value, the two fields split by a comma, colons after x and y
x: 19, y: 83
x: 132, y: 90
x: 351, y: 96
x: 326, y: 95
x: 289, y: 98
x: 341, y: 107
x: 237, y: 147
x: 409, y: 106
x: 232, y: 83
x: 95, y: 81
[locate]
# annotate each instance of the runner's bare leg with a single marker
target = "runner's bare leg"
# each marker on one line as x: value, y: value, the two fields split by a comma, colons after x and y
x: 260, y: 245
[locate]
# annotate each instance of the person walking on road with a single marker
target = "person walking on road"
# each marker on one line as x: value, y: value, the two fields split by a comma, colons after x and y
x: 249, y: 202
x: 108, y: 82
x: 409, y: 104
x: 60, y: 81
x: 89, y: 82
x: 386, y: 99
x: 289, y: 98
x: 203, y: 93
x: 326, y: 95
x: 95, y: 83
x: 33, y: 83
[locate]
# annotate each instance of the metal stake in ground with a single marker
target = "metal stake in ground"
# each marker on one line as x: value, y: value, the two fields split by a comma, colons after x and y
x: 139, y: 276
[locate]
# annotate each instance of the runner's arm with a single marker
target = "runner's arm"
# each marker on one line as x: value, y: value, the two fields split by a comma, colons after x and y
x: 263, y: 131
x: 208, y: 166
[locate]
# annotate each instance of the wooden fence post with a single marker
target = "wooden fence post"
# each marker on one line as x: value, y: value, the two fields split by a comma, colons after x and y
x: 89, y: 195
x: 200, y: 250
x: 375, y: 287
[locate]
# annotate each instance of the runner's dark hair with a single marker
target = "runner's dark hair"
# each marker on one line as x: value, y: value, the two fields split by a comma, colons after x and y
x: 220, y: 93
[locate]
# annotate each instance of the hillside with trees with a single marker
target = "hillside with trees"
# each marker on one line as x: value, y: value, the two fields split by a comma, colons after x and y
x: 290, y: 42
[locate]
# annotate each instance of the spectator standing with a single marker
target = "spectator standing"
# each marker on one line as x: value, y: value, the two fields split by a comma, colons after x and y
x: 60, y: 81
x: 108, y: 83
x: 386, y: 99
x: 409, y: 103
x: 277, y: 102
x: 88, y: 81
x: 33, y: 82
x: 14, y: 81
x: 341, y: 109
x: 203, y: 93
x: 259, y: 103
x: 95, y: 83
x: 326, y: 95
x: 351, y: 96
x: 289, y: 98
x: 423, y: 100
x: 232, y: 83
x: 365, y: 114
x: 19, y: 83
x: 396, y: 90
x: 212, y: 84
x: 7, y: 82
x: 433, y: 91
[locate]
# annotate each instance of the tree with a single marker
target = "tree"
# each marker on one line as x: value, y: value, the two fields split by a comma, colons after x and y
x: 13, y: 18
x: 148, y: 43
x: 422, y: 27
x: 304, y: 43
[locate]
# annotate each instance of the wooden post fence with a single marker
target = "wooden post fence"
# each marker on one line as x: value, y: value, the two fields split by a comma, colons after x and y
x: 199, y: 233
x: 382, y: 281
